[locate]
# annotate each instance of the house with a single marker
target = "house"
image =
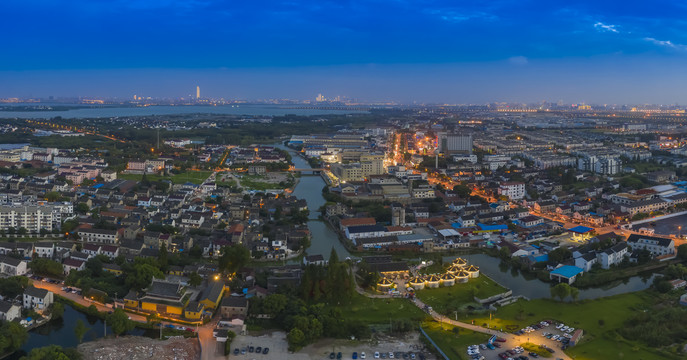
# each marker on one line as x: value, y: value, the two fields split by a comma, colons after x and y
x: 91, y: 249
x: 212, y: 294
x: 234, y: 306
x: 113, y: 268
x: 110, y: 251
x: 364, y: 231
x: 44, y: 250
x: 12, y: 267
x: 9, y: 311
x: 530, y: 221
x: 565, y: 273
x: 586, y: 261
x: 678, y: 283
x: 613, y: 255
x: 35, y: 298
x: 194, y: 310
x: 656, y: 245
x: 73, y: 264
x: 160, y: 297
x: 99, y: 236
x: 314, y: 259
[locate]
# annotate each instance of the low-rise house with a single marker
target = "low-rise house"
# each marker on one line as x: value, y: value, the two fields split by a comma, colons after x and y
x: 36, y: 298
x: 44, y: 250
x: 12, y: 267
x: 613, y: 255
x: 586, y: 261
x: 73, y: 264
x: 102, y: 236
x: 656, y: 245
x: 315, y: 260
x: 9, y: 311
x: 234, y: 306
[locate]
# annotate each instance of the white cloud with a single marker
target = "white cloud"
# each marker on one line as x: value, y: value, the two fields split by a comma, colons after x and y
x: 666, y: 43
x: 605, y: 27
x: 518, y: 60
x: 460, y: 16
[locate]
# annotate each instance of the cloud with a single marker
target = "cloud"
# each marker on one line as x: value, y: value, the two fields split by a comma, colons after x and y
x: 460, y: 16
x: 518, y: 60
x: 666, y: 43
x: 605, y: 27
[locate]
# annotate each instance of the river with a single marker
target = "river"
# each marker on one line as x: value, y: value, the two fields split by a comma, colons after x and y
x: 114, y: 111
x: 533, y: 288
x: 309, y: 187
x: 61, y: 332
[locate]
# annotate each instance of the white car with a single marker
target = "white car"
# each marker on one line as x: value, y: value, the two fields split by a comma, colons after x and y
x: 555, y: 337
x: 362, y: 355
x: 376, y: 356
x: 391, y: 355
x: 559, y: 326
x: 570, y: 330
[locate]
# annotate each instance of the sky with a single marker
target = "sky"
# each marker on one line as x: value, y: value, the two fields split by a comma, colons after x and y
x: 373, y: 50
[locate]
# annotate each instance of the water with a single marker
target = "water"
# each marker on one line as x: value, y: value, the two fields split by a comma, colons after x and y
x: 107, y: 112
x: 61, y: 332
x: 533, y: 288
x: 323, y: 238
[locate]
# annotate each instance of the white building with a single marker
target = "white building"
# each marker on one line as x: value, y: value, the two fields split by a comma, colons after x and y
x: 514, y: 190
x: 35, y: 298
x: 9, y: 311
x: 99, y: 236
x: 44, y: 250
x: 12, y: 267
x: 656, y: 245
x: 613, y: 255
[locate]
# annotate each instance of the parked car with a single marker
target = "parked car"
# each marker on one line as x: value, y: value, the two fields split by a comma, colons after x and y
x: 265, y: 350
x: 258, y: 350
x: 376, y: 355
x: 236, y: 351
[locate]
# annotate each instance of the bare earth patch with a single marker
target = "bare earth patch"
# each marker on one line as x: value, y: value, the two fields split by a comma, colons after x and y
x: 136, y: 347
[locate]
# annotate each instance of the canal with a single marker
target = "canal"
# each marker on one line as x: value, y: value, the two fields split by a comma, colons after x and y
x: 61, y: 332
x: 529, y: 286
x: 309, y: 187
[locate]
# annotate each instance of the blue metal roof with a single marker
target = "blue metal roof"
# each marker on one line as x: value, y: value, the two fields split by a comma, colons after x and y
x: 581, y: 229
x: 492, y: 227
x: 567, y: 271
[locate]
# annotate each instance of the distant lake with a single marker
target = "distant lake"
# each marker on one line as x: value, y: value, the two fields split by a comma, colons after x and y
x: 114, y: 111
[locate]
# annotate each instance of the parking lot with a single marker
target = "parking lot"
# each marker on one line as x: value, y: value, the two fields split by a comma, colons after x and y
x: 406, y: 347
x: 552, y: 337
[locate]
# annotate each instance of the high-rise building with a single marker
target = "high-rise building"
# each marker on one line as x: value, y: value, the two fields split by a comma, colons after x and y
x: 197, y: 92
x: 455, y: 143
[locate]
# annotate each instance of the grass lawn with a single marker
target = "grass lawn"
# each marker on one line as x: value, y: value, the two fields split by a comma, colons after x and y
x: 446, y: 299
x: 530, y: 347
x: 379, y: 311
x: 598, y: 318
x: 453, y: 344
x: 196, y: 177
x: 255, y: 182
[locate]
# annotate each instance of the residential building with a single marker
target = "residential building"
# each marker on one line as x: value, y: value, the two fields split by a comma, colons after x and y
x: 613, y: 255
x: 36, y: 298
x: 232, y: 306
x: 12, y: 267
x: 9, y: 311
x: 102, y: 236
x: 656, y: 245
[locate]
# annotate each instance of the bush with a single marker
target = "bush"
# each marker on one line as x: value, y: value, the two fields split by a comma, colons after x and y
x: 227, y: 345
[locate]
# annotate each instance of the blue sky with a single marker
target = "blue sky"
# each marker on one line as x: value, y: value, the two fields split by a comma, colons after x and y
x: 442, y: 51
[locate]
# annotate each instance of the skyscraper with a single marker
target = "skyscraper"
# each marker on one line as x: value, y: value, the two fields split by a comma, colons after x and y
x: 197, y: 92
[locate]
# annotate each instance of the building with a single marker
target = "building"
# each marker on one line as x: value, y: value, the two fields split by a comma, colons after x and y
x: 613, y: 255
x: 565, y: 273
x: 257, y: 170
x: 44, y: 250
x: 514, y: 190
x: 161, y: 297
x: 365, y: 231
x: 102, y: 236
x: 35, y: 298
x: 32, y: 218
x: 454, y: 143
x: 11, y: 266
x: 656, y: 245
x: 70, y: 264
x: 9, y: 311
x: 234, y: 306
x: 212, y: 295
x: 314, y: 260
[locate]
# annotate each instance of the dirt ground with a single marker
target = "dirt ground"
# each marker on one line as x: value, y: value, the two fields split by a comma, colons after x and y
x: 138, y: 348
x: 277, y: 343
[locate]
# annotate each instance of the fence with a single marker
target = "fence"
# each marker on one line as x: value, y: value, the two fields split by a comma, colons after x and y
x: 434, y: 344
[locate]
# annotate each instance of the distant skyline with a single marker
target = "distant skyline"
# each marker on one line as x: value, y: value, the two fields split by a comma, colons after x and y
x: 375, y: 50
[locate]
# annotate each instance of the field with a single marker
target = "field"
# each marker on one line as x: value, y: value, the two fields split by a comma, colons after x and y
x: 598, y: 318
x: 196, y: 177
x: 451, y: 343
x: 380, y: 311
x: 448, y: 299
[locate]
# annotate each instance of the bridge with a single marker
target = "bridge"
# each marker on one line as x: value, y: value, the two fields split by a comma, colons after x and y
x: 302, y: 170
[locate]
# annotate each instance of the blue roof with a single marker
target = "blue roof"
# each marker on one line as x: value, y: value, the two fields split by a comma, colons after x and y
x: 492, y: 227
x: 98, y: 186
x: 567, y: 271
x: 581, y: 229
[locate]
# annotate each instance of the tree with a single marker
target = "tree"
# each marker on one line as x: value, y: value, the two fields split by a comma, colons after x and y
x: 194, y: 279
x: 80, y: 329
x: 46, y: 267
x: 574, y: 293
x: 559, y: 255
x: 560, y: 291
x: 12, y: 337
x: 53, y: 352
x: 53, y: 196
x: 163, y: 258
x: 119, y: 322
x: 196, y: 252
x: 92, y: 311
x: 682, y: 252
x: 57, y: 310
x: 141, y: 275
x: 296, y: 339
x: 82, y: 208
x: 462, y: 191
x: 233, y: 258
